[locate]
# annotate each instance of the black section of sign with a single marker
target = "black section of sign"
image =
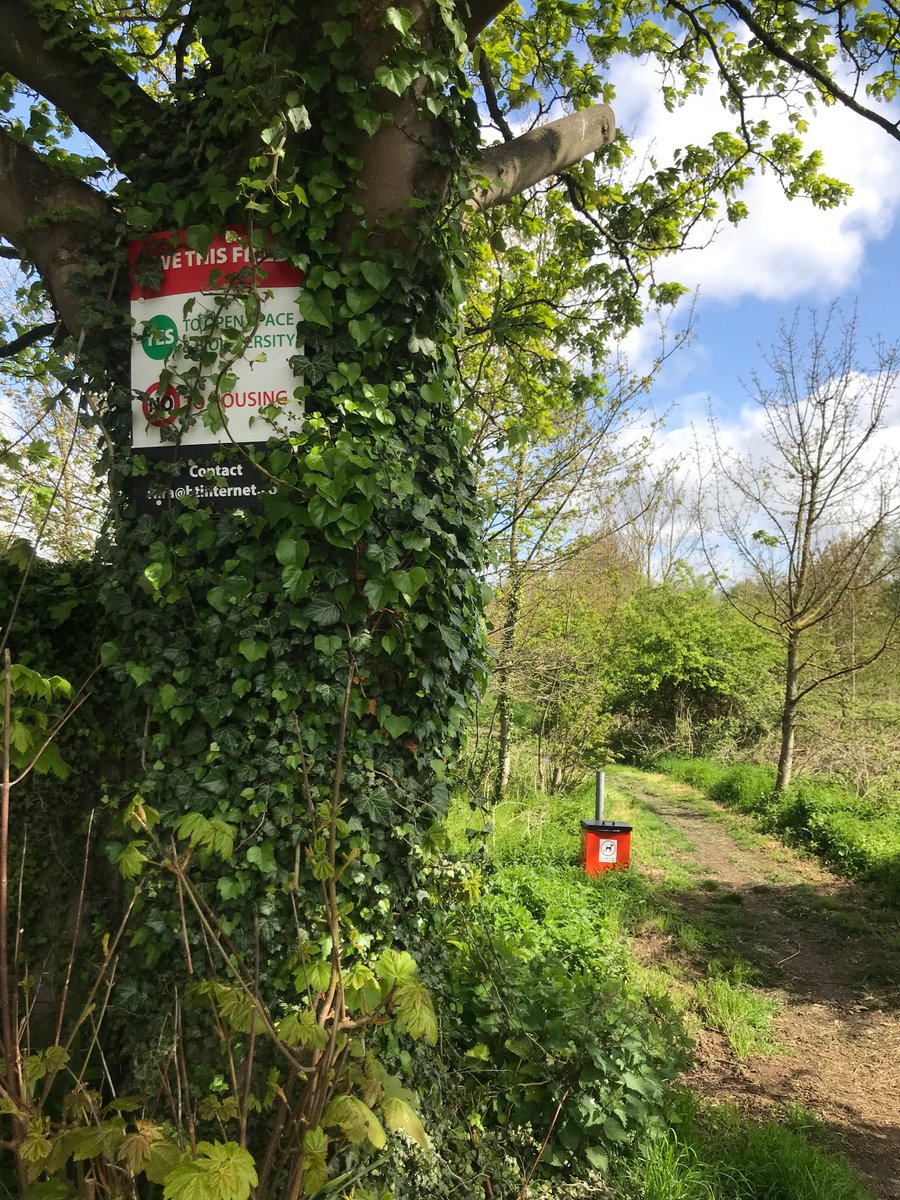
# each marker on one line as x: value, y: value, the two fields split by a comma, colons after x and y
x: 218, y: 479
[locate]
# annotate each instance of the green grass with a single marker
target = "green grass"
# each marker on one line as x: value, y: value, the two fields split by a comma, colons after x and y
x: 531, y: 848
x: 744, y: 1015
x: 856, y: 837
x: 715, y: 1154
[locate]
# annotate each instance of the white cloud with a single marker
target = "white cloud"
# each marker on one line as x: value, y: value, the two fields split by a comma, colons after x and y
x: 784, y: 249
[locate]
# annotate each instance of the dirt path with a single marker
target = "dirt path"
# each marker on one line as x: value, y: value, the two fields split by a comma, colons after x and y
x: 822, y: 949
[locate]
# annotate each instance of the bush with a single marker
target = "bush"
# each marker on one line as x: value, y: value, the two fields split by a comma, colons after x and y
x: 542, y: 1008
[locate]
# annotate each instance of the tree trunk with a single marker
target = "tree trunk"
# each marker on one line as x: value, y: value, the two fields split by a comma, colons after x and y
x: 515, y: 580
x: 788, y: 715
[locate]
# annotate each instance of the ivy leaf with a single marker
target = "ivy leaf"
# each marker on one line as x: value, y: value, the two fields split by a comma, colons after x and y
x: 109, y: 653
x: 298, y: 118
x: 217, y: 599
x: 396, y: 79
x: 400, y: 19
x: 263, y: 857
x: 376, y: 274
x: 322, y: 611
x: 315, y: 309
x: 292, y: 552
x: 252, y: 649
x: 221, y: 1171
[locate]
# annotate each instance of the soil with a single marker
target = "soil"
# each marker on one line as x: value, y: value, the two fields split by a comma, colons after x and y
x: 823, y: 949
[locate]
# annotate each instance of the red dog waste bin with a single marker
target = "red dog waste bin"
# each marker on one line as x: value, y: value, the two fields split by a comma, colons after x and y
x: 605, y: 845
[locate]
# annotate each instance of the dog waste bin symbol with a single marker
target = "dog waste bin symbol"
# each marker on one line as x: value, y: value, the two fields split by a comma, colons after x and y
x: 604, y: 845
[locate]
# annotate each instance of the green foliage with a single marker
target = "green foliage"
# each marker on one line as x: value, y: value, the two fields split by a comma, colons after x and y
x: 686, y: 672
x: 742, y: 1014
x: 543, y: 1009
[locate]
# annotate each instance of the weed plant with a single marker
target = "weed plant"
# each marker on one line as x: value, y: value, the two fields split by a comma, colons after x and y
x: 744, y: 1015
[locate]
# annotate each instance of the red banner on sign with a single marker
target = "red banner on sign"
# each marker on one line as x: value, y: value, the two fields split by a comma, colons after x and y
x: 186, y: 271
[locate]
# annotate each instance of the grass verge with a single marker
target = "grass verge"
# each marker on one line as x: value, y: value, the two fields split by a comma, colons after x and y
x: 856, y: 837
x: 708, y: 1151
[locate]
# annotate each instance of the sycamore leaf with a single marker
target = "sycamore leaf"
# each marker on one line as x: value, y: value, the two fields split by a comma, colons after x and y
x: 356, y: 1120
x: 400, y: 1115
x: 221, y: 1171
x: 301, y: 1029
x: 131, y: 860
x: 413, y: 1006
x: 394, y: 966
x: 164, y: 1156
x: 315, y: 1161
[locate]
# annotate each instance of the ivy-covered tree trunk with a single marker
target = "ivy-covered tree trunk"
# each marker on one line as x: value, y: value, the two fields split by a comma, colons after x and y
x: 284, y: 686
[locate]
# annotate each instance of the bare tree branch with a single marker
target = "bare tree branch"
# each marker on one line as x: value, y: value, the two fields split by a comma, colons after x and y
x: 51, y: 67
x: 47, y: 216
x: 512, y: 167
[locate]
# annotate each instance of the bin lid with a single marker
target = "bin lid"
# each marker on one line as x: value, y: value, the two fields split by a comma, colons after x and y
x: 606, y: 826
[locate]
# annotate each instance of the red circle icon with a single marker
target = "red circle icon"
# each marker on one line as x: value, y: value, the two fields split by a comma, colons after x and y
x: 161, y: 410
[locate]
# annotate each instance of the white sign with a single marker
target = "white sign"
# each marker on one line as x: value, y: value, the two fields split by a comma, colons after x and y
x: 196, y: 308
x: 607, y: 850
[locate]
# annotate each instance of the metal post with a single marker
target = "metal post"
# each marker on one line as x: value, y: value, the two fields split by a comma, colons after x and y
x: 600, y: 795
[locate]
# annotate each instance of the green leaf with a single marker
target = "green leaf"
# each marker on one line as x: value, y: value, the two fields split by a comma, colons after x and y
x: 131, y: 860
x: 139, y: 674
x: 298, y: 118
x: 399, y: 1114
x: 322, y: 610
x: 221, y: 1171
x: 252, y: 649
x: 356, y: 1120
x: 263, y: 857
x: 217, y: 599
x: 292, y: 551
x: 376, y: 274
x: 400, y: 19
x: 414, y: 1008
x: 315, y: 1160
x: 109, y: 653
x: 301, y: 1029
x: 396, y: 79
x: 395, y: 966
x: 315, y: 308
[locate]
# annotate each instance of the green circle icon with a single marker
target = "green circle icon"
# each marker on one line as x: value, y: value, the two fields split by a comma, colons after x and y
x: 160, y: 337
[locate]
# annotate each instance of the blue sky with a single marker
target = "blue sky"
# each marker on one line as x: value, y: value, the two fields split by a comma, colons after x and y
x: 786, y: 255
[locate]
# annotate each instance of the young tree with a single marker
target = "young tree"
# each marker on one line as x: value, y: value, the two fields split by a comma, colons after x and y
x: 810, y: 515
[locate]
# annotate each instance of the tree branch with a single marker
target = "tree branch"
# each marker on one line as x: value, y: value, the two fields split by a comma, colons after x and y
x: 481, y: 13
x: 24, y: 340
x: 825, y: 82
x: 512, y: 167
x: 48, y: 216
x: 49, y: 65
